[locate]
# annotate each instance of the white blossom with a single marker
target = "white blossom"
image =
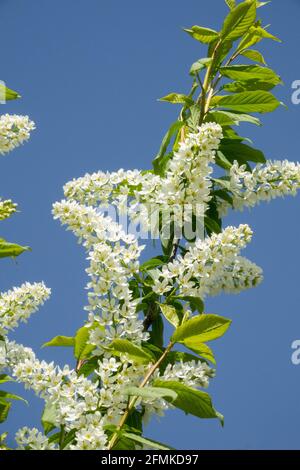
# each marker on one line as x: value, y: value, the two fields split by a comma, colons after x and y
x: 19, y: 303
x: 14, y: 131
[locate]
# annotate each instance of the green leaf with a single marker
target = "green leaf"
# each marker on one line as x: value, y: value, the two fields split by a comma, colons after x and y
x: 200, y: 65
x: 171, y: 314
x: 193, y: 120
x: 82, y: 348
x: 64, y: 341
x: 256, y: 56
x: 250, y: 72
x: 239, y: 20
x: 250, y: 102
x: 248, y: 85
x: 150, y: 392
x: 157, y: 332
x: 49, y: 418
x: 11, y: 249
x: 199, y: 348
x: 151, y: 263
x: 191, y: 401
x: 158, y: 160
x: 225, y: 118
x: 206, y: 327
x: 196, y: 304
x: 222, y: 161
x: 4, y: 410
x: 134, y: 352
x: 178, y: 98
x: 204, y: 35
x: 5, y: 378
x: 242, y: 153
x: 11, y: 396
x: 231, y: 3
x: 212, y: 225
x: 146, y: 442
x: 6, y: 94
x: 89, y: 366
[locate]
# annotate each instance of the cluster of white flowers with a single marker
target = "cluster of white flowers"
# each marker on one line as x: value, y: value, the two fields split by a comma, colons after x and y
x: 7, y: 208
x: 204, y: 263
x: 71, y: 396
x: 113, y: 257
x: 265, y: 182
x: 144, y: 194
x: 191, y: 373
x: 241, y: 275
x: 14, y: 131
x: 18, y: 304
x: 32, y: 439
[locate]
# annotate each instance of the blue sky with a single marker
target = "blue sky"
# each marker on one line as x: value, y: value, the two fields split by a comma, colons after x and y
x: 90, y: 73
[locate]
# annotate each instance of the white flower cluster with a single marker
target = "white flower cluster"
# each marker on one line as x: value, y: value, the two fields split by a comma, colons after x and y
x: 203, y: 264
x: 265, y: 182
x: 32, y: 439
x: 191, y: 373
x: 186, y: 182
x: 19, y: 303
x: 71, y: 396
x: 14, y: 131
x: 7, y: 208
x: 113, y: 257
x: 241, y: 275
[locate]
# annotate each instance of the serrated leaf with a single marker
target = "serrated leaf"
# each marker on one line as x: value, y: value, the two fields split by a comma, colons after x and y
x: 178, y: 98
x: 248, y: 85
x: 250, y: 102
x: 250, y: 72
x: 206, y: 327
x: 242, y: 153
x: 191, y: 401
x: 146, y: 442
x: 204, y: 35
x: 239, y: 20
x: 256, y: 56
x: 171, y: 314
x: 199, y: 348
x: 150, y: 392
x: 64, y: 341
x: 134, y: 352
x: 225, y: 118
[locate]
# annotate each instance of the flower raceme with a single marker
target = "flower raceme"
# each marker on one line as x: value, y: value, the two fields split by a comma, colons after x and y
x: 207, y: 267
x: 14, y: 131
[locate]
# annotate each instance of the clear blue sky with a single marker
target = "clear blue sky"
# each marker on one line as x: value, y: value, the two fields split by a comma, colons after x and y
x: 90, y: 73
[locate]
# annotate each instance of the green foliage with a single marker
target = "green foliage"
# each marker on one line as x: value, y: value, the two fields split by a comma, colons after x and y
x: 6, y: 94
x: 13, y: 250
x: 151, y: 392
x: 191, y: 401
x: 206, y: 327
x: 64, y: 341
x: 135, y: 353
x: 204, y: 35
